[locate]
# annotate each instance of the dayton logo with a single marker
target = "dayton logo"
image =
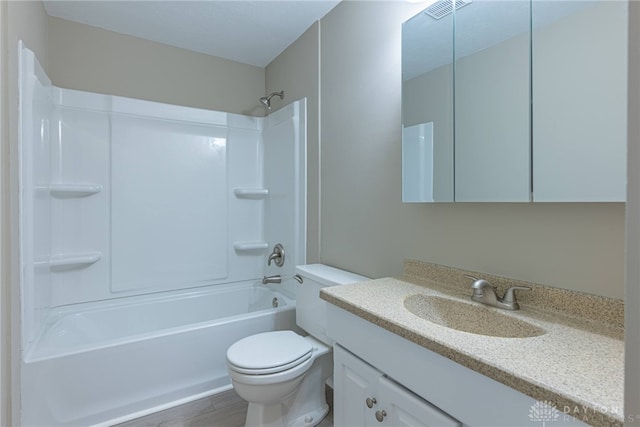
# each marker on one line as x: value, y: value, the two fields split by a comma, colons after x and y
x: 543, y: 412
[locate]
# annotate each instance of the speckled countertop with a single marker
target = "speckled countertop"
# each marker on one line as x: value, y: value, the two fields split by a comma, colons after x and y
x: 576, y: 364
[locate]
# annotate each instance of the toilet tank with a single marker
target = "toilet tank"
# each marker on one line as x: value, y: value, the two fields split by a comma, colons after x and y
x: 311, y: 311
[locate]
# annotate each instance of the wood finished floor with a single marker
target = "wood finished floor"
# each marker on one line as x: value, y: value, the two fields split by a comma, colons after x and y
x: 222, y: 410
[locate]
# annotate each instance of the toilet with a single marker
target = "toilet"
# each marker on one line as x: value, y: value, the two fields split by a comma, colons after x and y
x: 282, y: 374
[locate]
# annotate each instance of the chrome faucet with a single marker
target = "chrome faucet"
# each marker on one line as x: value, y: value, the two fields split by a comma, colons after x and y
x: 271, y: 279
x: 484, y: 293
x: 277, y: 255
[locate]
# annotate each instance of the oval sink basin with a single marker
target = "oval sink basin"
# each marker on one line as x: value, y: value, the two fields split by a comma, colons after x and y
x: 468, y: 317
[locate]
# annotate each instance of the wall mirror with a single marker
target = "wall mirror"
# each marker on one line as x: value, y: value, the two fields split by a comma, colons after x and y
x: 579, y: 89
x: 515, y: 101
x: 427, y: 105
x: 491, y: 102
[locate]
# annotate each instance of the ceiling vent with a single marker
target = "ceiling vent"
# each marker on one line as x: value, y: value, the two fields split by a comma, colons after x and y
x: 442, y: 8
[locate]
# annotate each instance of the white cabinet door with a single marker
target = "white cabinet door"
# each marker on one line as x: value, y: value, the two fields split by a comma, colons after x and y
x: 404, y: 408
x: 363, y: 396
x: 580, y: 101
x: 355, y: 383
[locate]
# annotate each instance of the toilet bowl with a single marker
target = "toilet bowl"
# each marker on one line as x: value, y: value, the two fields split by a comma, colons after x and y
x: 282, y: 374
x: 270, y: 377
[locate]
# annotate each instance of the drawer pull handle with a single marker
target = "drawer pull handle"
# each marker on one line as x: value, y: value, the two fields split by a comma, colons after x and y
x: 380, y: 415
x: 370, y: 402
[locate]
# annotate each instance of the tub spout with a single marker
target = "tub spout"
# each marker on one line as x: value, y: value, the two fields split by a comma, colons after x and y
x: 271, y: 279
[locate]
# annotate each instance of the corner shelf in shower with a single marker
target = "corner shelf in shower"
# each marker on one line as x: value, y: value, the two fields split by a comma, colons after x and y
x: 251, y: 193
x: 76, y: 260
x: 253, y: 246
x: 74, y: 190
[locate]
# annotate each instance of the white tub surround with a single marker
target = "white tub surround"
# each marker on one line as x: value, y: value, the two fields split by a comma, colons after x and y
x: 144, y: 233
x: 104, y: 363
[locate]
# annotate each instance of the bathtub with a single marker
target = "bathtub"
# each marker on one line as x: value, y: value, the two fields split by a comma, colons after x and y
x: 108, y: 362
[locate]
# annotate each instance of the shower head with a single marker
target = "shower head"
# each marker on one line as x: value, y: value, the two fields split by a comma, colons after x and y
x: 266, y: 100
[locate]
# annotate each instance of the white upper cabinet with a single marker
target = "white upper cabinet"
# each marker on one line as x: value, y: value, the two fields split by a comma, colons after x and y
x: 579, y: 101
x: 427, y: 109
x: 491, y: 103
x: 525, y: 101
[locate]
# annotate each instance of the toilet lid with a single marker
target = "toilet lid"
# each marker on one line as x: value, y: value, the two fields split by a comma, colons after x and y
x: 269, y: 350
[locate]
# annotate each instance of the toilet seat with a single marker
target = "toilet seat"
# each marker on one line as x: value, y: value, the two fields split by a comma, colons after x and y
x: 270, y: 379
x: 272, y: 370
x: 268, y: 353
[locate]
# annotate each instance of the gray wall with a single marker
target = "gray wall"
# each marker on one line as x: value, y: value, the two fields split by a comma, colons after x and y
x: 96, y: 60
x: 364, y: 226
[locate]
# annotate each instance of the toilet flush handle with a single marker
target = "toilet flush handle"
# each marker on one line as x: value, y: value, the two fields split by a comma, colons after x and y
x: 298, y: 278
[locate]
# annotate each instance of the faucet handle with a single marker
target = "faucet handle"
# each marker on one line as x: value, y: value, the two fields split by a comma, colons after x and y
x: 277, y: 255
x: 510, y: 295
x: 478, y: 285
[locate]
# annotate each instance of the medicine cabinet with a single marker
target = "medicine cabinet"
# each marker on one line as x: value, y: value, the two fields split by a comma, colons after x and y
x: 515, y: 101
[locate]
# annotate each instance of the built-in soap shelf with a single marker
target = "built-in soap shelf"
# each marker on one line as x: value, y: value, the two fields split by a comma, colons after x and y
x: 253, y: 246
x: 74, y: 190
x: 76, y: 260
x: 251, y: 193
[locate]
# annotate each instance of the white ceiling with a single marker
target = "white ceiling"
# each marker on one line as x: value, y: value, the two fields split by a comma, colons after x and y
x: 251, y: 32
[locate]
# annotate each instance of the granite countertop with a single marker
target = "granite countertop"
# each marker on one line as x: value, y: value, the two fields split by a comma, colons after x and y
x: 578, y: 363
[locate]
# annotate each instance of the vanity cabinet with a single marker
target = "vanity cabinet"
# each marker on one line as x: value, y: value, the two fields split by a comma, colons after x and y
x: 364, y: 396
x: 414, y: 385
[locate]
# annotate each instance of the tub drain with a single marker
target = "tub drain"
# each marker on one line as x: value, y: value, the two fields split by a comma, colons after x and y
x: 274, y: 302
